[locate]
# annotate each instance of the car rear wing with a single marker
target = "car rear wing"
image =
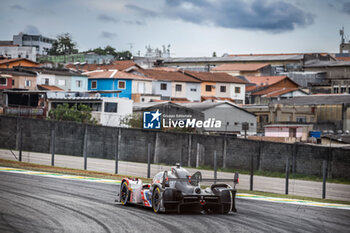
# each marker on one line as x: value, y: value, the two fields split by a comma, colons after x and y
x: 197, y: 177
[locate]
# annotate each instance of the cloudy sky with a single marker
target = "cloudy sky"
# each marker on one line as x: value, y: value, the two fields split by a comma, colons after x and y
x: 191, y: 27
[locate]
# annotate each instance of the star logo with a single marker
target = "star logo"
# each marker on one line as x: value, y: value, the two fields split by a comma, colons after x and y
x: 156, y: 115
x: 151, y: 120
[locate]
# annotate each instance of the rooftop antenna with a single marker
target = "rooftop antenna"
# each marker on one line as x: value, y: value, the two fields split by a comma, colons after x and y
x: 131, y: 46
x: 341, y: 32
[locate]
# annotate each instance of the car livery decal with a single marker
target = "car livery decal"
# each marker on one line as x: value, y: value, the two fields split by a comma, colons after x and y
x: 145, y: 194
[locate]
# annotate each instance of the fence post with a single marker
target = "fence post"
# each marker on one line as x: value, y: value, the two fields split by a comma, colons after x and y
x: 20, y: 143
x: 182, y: 151
x: 116, y: 151
x: 149, y: 161
x: 197, y: 155
x: 215, y: 167
x: 224, y: 153
x: 189, y: 150
x: 287, y: 174
x: 155, y: 156
x: 52, y: 145
x: 85, y: 147
x: 324, y: 172
x: 251, y: 171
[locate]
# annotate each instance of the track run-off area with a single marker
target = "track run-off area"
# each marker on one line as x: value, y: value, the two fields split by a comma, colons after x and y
x: 32, y: 201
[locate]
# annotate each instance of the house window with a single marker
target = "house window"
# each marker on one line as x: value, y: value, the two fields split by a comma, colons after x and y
x: 193, y: 89
x: 28, y: 83
x: 78, y: 83
x: 121, y: 84
x: 237, y: 90
x: 46, y: 81
x: 111, y: 107
x: 301, y: 119
x: 93, y: 84
x: 178, y: 87
x: 163, y: 86
x: 3, y: 81
x: 208, y: 88
x: 222, y: 88
x: 61, y: 82
x: 336, y: 90
x: 13, y: 82
x: 343, y: 90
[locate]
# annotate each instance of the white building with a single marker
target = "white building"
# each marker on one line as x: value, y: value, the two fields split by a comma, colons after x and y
x: 108, y: 111
x: 231, y: 116
x: 41, y: 44
x: 15, y: 51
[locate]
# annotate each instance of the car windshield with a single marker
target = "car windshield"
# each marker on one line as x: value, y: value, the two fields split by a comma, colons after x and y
x: 180, y: 172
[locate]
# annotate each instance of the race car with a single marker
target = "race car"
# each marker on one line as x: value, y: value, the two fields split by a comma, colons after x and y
x: 177, y: 191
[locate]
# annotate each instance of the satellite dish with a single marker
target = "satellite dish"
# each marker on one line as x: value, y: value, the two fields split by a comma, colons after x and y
x: 97, y: 95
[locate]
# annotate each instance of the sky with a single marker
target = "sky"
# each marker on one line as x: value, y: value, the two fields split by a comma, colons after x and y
x: 192, y: 27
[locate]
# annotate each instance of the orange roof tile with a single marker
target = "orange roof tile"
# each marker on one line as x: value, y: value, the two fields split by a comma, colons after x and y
x: 343, y: 58
x: 273, y: 91
x: 215, y: 77
x: 240, y: 67
x: 265, y: 80
x: 49, y: 88
x: 114, y: 74
x: 272, y: 54
x: 118, y: 65
x: 5, y: 61
x: 280, y: 92
x: 176, y: 76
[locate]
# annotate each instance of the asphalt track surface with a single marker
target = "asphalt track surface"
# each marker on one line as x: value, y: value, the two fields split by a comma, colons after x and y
x: 42, y: 204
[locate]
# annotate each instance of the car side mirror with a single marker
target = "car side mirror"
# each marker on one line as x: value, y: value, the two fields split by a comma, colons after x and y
x: 165, y: 182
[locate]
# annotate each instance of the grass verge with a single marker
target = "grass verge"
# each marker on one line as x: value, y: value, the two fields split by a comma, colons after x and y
x: 64, y: 170
x: 279, y: 175
x: 267, y: 194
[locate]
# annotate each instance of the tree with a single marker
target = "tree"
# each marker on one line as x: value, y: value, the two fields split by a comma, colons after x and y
x: 64, y: 45
x: 214, y: 54
x: 78, y: 113
x: 133, y: 120
x: 109, y: 50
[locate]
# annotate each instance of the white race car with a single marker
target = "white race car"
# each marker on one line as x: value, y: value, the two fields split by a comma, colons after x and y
x: 177, y: 190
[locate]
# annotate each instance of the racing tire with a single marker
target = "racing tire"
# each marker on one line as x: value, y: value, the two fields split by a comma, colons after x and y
x: 156, y: 199
x: 124, y: 193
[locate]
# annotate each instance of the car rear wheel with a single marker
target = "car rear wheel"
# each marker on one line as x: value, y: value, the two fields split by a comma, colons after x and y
x: 156, y: 199
x: 124, y: 193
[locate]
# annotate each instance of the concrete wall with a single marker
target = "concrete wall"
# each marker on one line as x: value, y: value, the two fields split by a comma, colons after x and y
x: 169, y: 148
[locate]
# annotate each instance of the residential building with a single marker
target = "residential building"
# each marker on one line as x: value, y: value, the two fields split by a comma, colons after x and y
x: 262, y: 113
x: 20, y: 79
x: 5, y: 81
x: 337, y: 74
x: 220, y: 85
x: 290, y: 132
x: 10, y: 63
x: 62, y: 78
x: 264, y: 89
x: 246, y: 69
x: 113, y: 81
x: 231, y: 116
x: 41, y: 43
x: 324, y: 111
x: 172, y: 85
x: 16, y: 51
x: 169, y: 110
x: 106, y: 111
